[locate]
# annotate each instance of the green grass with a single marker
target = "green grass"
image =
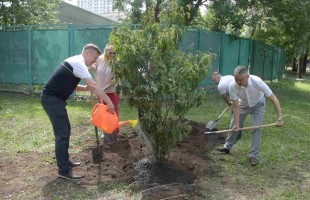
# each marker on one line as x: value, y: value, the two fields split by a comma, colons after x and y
x: 283, y: 172
x: 284, y: 169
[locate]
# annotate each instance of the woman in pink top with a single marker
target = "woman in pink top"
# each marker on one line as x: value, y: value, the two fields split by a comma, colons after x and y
x: 105, y: 77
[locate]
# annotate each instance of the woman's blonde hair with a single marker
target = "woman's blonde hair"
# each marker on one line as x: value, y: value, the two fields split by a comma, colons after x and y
x: 104, y: 54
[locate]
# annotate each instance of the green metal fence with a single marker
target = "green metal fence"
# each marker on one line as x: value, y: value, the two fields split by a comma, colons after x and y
x: 29, y: 54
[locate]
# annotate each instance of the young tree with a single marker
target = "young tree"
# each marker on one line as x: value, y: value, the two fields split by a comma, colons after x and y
x: 158, y: 78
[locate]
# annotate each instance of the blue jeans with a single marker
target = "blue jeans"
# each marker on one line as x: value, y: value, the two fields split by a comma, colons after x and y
x: 56, y: 110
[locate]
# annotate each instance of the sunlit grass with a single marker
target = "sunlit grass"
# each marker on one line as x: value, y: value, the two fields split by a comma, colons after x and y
x: 283, y: 172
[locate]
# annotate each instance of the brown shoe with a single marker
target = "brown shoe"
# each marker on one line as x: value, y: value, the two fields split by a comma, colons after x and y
x: 69, y: 176
x: 74, y: 164
x: 253, y: 161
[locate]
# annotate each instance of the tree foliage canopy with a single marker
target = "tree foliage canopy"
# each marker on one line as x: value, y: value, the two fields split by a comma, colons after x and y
x: 188, y: 10
x: 285, y: 23
x: 24, y: 12
x: 158, y: 78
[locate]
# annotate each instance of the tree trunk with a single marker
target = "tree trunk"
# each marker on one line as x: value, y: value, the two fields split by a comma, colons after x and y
x: 305, y: 63
x: 294, y: 65
x: 193, y: 12
x: 300, y: 66
x: 157, y: 10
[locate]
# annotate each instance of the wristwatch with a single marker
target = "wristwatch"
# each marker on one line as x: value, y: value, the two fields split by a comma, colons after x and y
x: 279, y: 119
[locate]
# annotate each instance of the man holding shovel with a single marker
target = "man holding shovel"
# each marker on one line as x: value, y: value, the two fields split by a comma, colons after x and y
x: 248, y: 93
x: 223, y: 83
x: 59, y: 87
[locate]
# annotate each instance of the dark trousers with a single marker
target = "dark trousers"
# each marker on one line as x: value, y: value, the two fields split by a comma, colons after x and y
x: 56, y: 110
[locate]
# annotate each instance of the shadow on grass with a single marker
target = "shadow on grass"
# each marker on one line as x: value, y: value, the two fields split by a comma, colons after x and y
x: 65, y: 189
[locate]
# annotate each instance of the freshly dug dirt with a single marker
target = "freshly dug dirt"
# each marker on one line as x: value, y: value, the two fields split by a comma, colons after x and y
x: 127, y: 161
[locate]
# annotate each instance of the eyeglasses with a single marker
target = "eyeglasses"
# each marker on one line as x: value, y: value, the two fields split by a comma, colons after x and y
x: 110, y: 53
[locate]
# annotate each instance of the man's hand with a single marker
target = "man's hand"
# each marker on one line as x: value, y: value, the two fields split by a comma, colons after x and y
x: 235, y: 129
x: 279, y: 123
x: 92, y: 68
x: 110, y: 107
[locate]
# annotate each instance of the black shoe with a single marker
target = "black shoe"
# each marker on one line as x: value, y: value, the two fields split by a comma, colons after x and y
x: 223, y: 150
x: 253, y: 161
x: 69, y: 176
x: 74, y: 164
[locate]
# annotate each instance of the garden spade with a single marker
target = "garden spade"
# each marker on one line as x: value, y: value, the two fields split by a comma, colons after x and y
x: 97, y: 152
x: 211, y: 124
x: 241, y: 129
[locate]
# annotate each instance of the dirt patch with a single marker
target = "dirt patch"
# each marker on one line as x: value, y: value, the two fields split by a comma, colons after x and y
x: 127, y: 161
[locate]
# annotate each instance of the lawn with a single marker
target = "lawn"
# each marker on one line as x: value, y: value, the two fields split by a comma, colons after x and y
x: 283, y: 172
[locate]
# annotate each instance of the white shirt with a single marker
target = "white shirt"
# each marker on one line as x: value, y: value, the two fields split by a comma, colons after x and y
x: 223, y: 86
x: 105, y: 76
x: 80, y: 69
x: 252, y: 93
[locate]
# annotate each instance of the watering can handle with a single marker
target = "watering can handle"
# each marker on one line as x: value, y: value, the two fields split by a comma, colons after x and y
x: 94, y: 107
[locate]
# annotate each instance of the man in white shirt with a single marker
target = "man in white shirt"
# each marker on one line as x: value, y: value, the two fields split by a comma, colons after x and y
x: 248, y: 93
x: 223, y: 83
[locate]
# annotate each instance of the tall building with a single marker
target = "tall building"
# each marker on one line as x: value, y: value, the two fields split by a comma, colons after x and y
x: 96, y: 6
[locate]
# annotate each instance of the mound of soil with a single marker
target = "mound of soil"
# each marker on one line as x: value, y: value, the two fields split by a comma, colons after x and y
x: 127, y: 161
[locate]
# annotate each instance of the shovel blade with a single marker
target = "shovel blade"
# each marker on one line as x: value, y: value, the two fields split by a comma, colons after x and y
x: 97, y: 154
x: 211, y: 125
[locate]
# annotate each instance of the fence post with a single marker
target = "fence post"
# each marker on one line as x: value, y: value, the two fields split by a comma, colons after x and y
x: 220, y: 70
x: 71, y: 39
x: 252, y: 55
x: 264, y: 64
x: 29, y: 59
x: 199, y: 39
x: 239, y: 49
x: 272, y: 65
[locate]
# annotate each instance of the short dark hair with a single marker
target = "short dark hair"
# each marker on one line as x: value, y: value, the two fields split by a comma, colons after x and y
x: 241, y: 70
x: 92, y: 46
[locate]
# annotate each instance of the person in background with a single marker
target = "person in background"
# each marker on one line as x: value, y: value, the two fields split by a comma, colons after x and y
x: 223, y: 83
x: 106, y: 81
x: 248, y: 93
x: 62, y: 83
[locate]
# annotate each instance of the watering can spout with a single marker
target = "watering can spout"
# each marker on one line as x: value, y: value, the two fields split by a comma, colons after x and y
x: 132, y: 122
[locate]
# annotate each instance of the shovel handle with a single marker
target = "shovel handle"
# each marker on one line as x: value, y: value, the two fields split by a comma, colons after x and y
x: 241, y: 129
x: 222, y: 113
x: 97, y: 135
x: 211, y: 124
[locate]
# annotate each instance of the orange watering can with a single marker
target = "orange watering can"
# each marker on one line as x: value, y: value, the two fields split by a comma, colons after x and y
x: 106, y: 121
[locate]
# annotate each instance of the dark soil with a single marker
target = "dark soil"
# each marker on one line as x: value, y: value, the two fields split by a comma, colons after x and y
x: 127, y: 161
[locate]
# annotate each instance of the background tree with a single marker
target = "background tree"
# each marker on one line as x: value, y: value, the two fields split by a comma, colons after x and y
x: 23, y: 12
x: 136, y: 8
x: 158, y: 78
x: 284, y: 23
